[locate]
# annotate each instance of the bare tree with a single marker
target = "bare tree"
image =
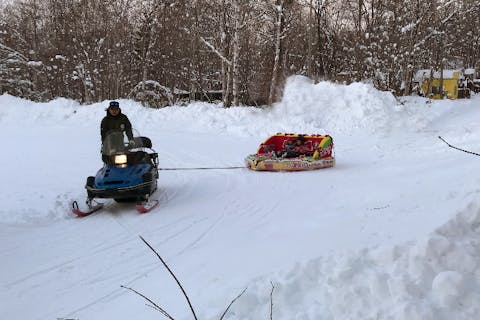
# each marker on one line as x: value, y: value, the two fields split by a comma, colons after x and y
x: 239, y: 14
x: 280, y: 8
x: 225, y: 39
x: 91, y: 50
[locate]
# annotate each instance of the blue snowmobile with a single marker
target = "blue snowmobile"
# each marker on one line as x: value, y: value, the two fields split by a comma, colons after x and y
x: 129, y: 174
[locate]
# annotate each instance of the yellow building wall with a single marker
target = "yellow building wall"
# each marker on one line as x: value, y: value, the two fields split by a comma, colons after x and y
x: 450, y: 86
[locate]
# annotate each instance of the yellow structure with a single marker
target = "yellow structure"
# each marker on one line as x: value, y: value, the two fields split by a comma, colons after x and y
x: 439, y: 85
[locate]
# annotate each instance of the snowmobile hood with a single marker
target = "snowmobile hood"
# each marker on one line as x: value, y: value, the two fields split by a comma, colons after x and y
x: 111, y: 176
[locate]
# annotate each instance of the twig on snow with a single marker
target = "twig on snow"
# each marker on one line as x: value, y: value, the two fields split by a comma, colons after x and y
x: 231, y: 302
x: 173, y: 275
x: 271, y: 301
x: 154, y: 305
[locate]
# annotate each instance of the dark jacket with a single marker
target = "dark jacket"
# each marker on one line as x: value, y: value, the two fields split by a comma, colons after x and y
x: 119, y: 122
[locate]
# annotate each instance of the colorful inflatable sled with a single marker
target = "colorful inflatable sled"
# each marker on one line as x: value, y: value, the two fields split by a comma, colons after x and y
x: 318, y: 154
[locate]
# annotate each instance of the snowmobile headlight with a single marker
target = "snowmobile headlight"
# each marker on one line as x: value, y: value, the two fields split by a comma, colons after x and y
x: 120, y: 159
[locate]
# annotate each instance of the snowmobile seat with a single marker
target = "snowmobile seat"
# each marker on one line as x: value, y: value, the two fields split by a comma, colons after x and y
x: 143, y: 142
x: 138, y: 157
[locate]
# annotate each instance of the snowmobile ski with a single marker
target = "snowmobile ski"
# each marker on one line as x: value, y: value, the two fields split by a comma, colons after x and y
x: 91, y: 208
x: 147, y: 206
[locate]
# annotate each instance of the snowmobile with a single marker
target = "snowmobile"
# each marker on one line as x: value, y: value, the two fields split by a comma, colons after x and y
x: 129, y: 174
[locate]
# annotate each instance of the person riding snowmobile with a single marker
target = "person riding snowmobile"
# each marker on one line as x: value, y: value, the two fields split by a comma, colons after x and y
x: 115, y: 120
x: 113, y: 126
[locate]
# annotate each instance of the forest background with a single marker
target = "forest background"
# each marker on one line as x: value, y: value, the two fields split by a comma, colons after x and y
x: 237, y: 51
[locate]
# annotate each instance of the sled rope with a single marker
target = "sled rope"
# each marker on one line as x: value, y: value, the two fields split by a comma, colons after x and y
x: 466, y: 151
x: 202, y: 168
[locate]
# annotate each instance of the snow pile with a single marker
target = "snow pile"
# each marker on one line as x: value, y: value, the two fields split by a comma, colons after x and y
x: 15, y: 111
x: 338, y: 108
x: 305, y: 107
x: 436, y: 277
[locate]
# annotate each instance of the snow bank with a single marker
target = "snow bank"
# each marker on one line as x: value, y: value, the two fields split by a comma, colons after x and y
x: 436, y: 277
x: 305, y: 107
x: 337, y: 107
x: 61, y: 112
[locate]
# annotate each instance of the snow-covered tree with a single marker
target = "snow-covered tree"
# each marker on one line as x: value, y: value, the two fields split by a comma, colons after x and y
x: 239, y: 51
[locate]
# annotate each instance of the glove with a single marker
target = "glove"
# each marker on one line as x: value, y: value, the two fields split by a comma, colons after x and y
x: 131, y: 143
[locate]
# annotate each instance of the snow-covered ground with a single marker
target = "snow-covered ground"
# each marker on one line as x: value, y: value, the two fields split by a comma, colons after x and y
x: 391, y: 232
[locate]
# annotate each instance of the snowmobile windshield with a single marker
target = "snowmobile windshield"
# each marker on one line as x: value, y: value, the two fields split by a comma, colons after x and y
x: 115, y: 142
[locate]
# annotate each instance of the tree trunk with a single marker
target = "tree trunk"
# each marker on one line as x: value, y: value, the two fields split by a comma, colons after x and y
x: 277, y: 52
x: 226, y: 70
x: 236, y: 53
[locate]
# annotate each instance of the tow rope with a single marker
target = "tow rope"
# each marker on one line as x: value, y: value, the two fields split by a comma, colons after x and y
x: 466, y: 151
x: 202, y: 168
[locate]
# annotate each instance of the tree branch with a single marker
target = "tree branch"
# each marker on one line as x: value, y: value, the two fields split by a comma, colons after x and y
x: 208, y: 44
x: 173, y: 275
x: 226, y: 310
x: 271, y: 301
x: 154, y: 305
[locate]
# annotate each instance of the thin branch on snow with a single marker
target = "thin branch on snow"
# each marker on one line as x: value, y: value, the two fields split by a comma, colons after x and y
x: 154, y: 305
x: 271, y: 301
x: 226, y: 310
x: 173, y: 275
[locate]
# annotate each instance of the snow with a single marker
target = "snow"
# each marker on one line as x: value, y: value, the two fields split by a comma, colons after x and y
x: 421, y: 75
x: 391, y: 232
x: 469, y: 71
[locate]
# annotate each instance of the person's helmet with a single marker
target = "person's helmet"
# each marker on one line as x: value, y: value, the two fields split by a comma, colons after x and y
x: 114, y: 104
x: 301, y: 138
